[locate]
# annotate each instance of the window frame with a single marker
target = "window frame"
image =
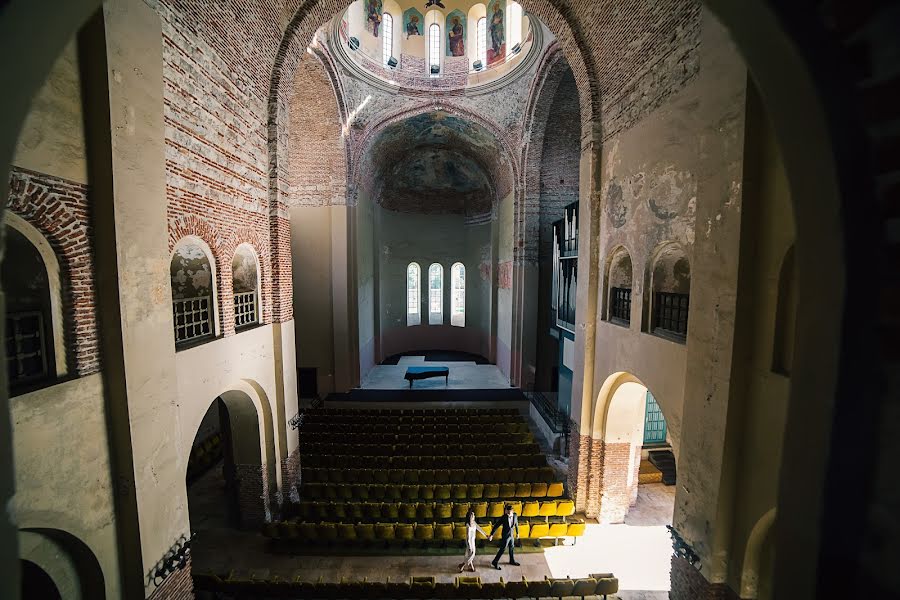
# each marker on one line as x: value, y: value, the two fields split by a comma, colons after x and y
x: 458, y: 295
x: 387, y: 34
x: 414, y: 309
x: 436, y: 317
x: 481, y: 41
x: 434, y: 54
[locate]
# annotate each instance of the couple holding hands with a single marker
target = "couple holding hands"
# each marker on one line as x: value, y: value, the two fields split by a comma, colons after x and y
x: 509, y: 525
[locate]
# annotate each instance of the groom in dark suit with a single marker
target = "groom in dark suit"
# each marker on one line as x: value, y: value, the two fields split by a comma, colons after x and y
x: 510, y: 532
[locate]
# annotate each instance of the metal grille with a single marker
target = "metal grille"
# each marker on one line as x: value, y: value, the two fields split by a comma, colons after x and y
x: 244, y: 309
x: 621, y: 304
x: 192, y: 318
x: 671, y: 313
x: 26, y: 355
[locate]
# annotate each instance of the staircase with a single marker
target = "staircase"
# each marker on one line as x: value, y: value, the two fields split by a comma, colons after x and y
x: 664, y: 460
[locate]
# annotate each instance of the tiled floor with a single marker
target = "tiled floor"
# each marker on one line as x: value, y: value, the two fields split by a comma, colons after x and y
x: 463, y: 376
x: 637, y: 552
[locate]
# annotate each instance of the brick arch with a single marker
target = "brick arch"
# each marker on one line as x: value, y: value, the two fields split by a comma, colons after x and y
x: 260, y: 245
x: 59, y: 210
x: 194, y: 226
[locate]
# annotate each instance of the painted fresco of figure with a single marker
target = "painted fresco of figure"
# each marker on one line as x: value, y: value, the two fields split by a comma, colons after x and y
x: 412, y: 26
x: 497, y: 51
x: 456, y: 45
x: 373, y: 16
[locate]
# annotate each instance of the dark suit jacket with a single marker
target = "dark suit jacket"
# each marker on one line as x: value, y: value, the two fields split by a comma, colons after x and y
x: 504, y: 523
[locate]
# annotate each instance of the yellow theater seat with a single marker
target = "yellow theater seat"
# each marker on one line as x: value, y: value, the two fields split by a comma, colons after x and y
x: 495, y: 510
x: 442, y: 492
x: 460, y: 491
x: 531, y: 509
x: 460, y: 509
x: 576, y: 528
x: 480, y: 508
x: 584, y: 587
x: 443, y: 510
x: 507, y: 490
x: 564, y: 508
x: 538, y: 490
x: 426, y: 492
x: 390, y: 511
x: 411, y: 493
x: 558, y: 529
x: 346, y: 531
x: 365, y: 531
x: 443, y: 532
x: 459, y: 532
x: 559, y: 588
x: 425, y: 511
x: 384, y: 531
x: 326, y: 532
x: 491, y: 490
x: 517, y: 507
x: 548, y: 509
x: 539, y: 530
x: 408, y: 511
x: 475, y: 491
x: 404, y: 531
x: 523, y: 490
x: 555, y: 490
x: 524, y: 529
x: 424, y: 531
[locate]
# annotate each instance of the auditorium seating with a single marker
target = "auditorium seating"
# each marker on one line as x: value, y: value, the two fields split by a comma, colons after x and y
x: 412, y: 511
x: 252, y: 587
x: 461, y: 461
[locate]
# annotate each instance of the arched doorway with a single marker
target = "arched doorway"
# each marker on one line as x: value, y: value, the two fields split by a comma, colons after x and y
x: 226, y: 483
x: 36, y: 583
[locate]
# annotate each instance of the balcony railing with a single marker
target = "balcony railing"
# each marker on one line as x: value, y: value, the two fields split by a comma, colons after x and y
x: 192, y: 317
x: 245, y: 309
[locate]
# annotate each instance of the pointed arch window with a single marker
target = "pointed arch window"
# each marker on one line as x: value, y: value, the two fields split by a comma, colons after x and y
x: 481, y: 35
x: 413, y: 315
x: 434, y: 47
x: 458, y: 297
x: 435, y: 294
x: 387, y: 37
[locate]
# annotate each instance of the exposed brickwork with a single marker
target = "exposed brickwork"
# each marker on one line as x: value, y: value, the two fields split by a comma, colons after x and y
x: 177, y: 586
x: 253, y: 495
x: 290, y: 475
x: 60, y: 210
x: 579, y: 469
x: 687, y: 583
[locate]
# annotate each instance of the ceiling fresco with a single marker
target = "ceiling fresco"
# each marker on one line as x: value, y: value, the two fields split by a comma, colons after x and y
x: 436, y: 163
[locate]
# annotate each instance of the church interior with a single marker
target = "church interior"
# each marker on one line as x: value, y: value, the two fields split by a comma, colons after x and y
x: 295, y: 288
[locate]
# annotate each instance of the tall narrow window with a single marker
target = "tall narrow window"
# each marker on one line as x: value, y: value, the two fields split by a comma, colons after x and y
x: 413, y: 316
x: 514, y: 18
x: 434, y: 47
x: 481, y: 34
x: 435, y: 294
x: 387, y: 37
x: 458, y: 299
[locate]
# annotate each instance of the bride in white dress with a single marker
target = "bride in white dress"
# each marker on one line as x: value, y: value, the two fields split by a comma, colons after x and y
x: 471, y: 528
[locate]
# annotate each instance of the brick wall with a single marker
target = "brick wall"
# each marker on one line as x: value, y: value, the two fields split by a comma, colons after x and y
x: 687, y: 583
x: 60, y: 210
x: 290, y: 475
x: 177, y: 586
x: 253, y: 495
x: 598, y: 478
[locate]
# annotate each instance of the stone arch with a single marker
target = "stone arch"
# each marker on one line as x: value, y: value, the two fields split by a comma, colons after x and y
x: 668, y: 271
x: 193, y: 250
x: 254, y: 447
x: 246, y: 278
x: 67, y: 560
x: 760, y: 538
x: 52, y: 267
x: 618, y: 274
x: 260, y: 246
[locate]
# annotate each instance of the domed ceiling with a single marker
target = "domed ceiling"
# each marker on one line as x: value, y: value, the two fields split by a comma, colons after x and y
x: 436, y: 163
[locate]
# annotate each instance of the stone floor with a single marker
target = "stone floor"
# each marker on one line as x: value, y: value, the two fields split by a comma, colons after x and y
x: 637, y: 552
x: 463, y: 376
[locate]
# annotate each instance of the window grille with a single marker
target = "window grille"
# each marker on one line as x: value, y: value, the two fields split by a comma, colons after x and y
x: 671, y: 313
x: 193, y: 318
x: 434, y: 45
x: 26, y: 347
x: 412, y: 295
x: 244, y: 309
x: 387, y: 37
x: 458, y: 297
x: 481, y: 33
x: 621, y: 304
x: 435, y: 294
x: 654, y: 422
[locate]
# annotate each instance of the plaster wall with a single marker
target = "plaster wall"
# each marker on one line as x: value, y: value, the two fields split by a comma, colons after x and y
x: 63, y: 468
x: 760, y: 394
x: 52, y: 138
x: 505, y: 239
x: 366, y: 261
x: 425, y: 239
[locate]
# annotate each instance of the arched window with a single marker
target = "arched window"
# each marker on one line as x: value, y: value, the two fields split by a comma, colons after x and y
x: 434, y: 47
x: 458, y: 298
x: 387, y: 37
x: 619, y: 281
x: 413, y: 300
x: 245, y: 284
x: 514, y: 18
x: 435, y: 294
x: 194, y: 303
x: 670, y: 288
x: 481, y: 34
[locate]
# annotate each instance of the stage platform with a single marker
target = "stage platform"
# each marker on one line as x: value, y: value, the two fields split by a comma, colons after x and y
x: 464, y: 375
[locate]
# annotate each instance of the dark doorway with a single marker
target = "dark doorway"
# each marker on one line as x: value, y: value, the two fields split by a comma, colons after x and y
x: 36, y: 584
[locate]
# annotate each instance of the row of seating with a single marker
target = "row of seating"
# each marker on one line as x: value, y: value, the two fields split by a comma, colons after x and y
x: 463, y: 461
x: 424, y: 511
x: 459, y: 491
x: 486, y: 447
x: 369, y: 413
x: 426, y: 476
x: 250, y: 587
x: 329, y: 532
x: 450, y: 426
x: 412, y: 435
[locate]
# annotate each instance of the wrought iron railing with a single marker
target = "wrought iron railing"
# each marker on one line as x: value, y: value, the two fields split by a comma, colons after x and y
x: 245, y: 309
x: 192, y: 317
